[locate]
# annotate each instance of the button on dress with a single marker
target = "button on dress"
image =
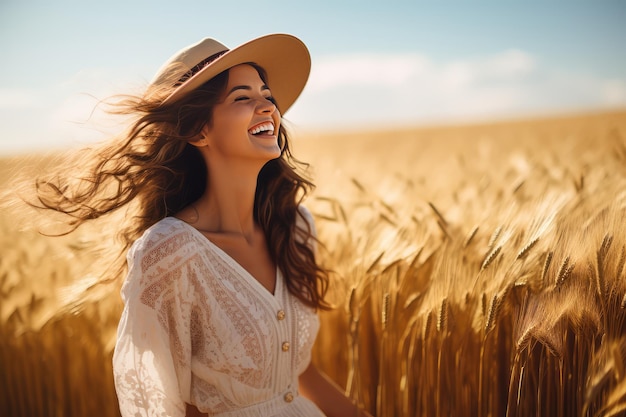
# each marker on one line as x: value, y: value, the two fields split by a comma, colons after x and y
x: 197, y: 328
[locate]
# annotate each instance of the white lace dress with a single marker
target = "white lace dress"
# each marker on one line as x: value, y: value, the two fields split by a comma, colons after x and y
x: 197, y: 328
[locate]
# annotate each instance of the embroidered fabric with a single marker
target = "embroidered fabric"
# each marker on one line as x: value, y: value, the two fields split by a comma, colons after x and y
x: 197, y: 328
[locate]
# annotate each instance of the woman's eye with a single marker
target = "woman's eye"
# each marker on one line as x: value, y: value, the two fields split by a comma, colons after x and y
x: 243, y: 98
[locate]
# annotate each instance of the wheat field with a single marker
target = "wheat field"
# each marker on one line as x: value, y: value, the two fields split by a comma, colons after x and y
x: 478, y: 270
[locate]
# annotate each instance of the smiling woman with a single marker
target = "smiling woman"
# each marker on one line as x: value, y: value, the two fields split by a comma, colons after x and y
x: 243, y: 125
x: 222, y: 287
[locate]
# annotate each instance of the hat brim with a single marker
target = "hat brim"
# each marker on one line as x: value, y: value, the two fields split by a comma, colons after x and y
x: 284, y: 58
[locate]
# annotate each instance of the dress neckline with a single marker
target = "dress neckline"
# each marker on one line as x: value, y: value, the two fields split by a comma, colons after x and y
x: 231, y: 261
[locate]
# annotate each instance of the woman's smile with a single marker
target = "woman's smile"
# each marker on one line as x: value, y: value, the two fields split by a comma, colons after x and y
x: 263, y: 129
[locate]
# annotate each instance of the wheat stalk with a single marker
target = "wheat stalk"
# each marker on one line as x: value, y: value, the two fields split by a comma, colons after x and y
x: 438, y: 214
x: 483, y: 304
x: 358, y: 185
x: 411, y: 299
x: 375, y: 263
x: 527, y: 248
x: 618, y: 361
x: 427, y: 325
x: 493, y: 307
x: 470, y: 236
x: 546, y: 265
x: 524, y: 340
x: 494, y: 237
x: 490, y: 257
x: 564, y: 272
x: 547, y: 342
x: 442, y: 316
x: 620, y: 263
x: 385, y: 310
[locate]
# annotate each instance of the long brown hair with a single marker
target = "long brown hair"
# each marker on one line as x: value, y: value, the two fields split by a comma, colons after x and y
x: 155, y: 170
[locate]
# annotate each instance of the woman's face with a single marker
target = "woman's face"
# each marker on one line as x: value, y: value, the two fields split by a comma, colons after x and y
x: 245, y: 121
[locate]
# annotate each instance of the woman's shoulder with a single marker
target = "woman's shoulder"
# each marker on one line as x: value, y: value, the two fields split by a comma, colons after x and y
x: 306, y: 213
x: 169, y: 237
x: 305, y: 227
x: 305, y: 219
x: 161, y: 231
x: 156, y: 260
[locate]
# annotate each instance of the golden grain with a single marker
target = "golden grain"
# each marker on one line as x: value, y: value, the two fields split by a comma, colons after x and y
x: 358, y: 185
x: 494, y: 307
x: 432, y: 321
x: 600, y: 281
x: 548, y: 342
x: 470, y: 236
x: 620, y: 264
x: 546, y: 265
x: 428, y: 322
x: 442, y: 316
x: 411, y: 299
x: 527, y: 248
x: 438, y: 214
x: 490, y: 257
x: 524, y: 340
x: 494, y: 236
x: 385, y: 310
x: 564, y: 272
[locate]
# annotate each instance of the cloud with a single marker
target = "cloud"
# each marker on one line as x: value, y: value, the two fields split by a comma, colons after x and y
x: 614, y: 92
x: 11, y: 99
x: 63, y: 113
x: 365, y: 69
x: 385, y: 89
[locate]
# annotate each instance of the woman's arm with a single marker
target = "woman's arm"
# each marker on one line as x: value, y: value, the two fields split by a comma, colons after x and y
x: 318, y: 388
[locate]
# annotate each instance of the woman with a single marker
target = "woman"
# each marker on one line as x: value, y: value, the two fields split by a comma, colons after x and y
x: 222, y: 287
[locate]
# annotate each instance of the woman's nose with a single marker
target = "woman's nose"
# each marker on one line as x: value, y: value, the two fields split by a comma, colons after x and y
x: 265, y: 106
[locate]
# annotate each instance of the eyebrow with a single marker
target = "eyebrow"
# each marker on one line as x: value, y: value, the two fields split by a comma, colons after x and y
x: 245, y: 87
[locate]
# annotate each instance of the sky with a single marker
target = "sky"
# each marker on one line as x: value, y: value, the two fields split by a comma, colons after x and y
x: 374, y: 63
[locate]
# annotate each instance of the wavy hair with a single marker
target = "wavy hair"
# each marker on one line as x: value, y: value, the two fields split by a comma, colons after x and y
x: 154, y: 169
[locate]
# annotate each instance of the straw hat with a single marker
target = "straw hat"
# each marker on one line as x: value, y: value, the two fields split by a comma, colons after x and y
x: 284, y: 57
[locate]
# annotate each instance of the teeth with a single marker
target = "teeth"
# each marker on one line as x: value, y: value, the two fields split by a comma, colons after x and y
x: 265, y: 127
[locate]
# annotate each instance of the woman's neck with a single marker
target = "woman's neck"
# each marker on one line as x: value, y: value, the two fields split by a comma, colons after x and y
x: 227, y: 205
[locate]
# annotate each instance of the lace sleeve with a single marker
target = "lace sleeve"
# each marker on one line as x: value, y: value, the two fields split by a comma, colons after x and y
x: 151, y: 362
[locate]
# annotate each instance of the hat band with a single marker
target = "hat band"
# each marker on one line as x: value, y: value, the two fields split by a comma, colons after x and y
x: 196, y: 69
